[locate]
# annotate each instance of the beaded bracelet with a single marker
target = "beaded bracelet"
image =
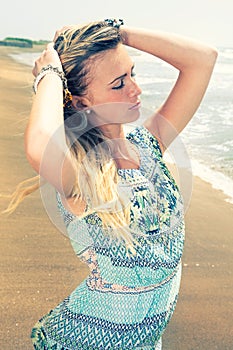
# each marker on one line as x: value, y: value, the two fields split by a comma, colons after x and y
x: 49, y: 69
x: 114, y: 22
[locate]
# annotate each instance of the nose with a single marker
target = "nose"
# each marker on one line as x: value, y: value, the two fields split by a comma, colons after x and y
x: 135, y: 89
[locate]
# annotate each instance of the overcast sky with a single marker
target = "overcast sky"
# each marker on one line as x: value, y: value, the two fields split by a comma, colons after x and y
x: 207, y: 20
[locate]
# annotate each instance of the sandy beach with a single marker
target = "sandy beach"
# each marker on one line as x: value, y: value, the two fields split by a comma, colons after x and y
x: 39, y: 268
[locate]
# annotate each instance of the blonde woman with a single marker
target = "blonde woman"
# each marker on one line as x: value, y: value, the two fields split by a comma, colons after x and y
x: 122, y: 209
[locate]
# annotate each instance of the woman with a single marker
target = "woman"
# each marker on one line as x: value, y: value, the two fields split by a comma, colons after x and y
x: 122, y: 209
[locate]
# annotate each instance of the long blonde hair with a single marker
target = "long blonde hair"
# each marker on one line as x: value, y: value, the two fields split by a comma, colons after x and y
x: 97, y: 178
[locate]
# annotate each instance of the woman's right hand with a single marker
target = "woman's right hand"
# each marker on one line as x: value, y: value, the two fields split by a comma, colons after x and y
x: 48, y: 56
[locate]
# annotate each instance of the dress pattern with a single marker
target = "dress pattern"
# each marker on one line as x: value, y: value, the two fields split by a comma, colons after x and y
x: 127, y: 299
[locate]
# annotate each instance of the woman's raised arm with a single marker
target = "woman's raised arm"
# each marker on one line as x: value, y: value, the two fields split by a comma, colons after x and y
x: 195, y: 62
x: 45, y: 142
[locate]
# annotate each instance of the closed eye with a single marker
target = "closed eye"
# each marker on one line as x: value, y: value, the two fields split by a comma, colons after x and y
x: 122, y: 82
x: 120, y: 86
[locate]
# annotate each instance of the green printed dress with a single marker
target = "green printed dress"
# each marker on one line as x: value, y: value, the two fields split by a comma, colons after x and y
x: 127, y: 299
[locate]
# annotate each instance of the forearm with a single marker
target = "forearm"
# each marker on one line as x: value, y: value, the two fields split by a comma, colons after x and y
x: 181, y: 52
x: 194, y: 61
x: 46, y: 116
x: 45, y: 141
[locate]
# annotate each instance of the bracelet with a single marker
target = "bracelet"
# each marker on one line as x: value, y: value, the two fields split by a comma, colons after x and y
x: 49, y: 69
x: 114, y: 22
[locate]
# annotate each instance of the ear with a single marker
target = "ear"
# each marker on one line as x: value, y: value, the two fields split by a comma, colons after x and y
x: 80, y: 102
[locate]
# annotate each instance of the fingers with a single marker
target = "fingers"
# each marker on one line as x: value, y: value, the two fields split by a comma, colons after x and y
x: 62, y: 30
x: 50, y: 46
x: 48, y: 56
x: 57, y: 33
x: 34, y: 70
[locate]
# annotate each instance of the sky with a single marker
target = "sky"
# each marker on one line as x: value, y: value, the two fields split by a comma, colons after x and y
x: 206, y: 20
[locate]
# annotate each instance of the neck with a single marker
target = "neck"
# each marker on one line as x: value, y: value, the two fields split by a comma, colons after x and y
x: 125, y: 155
x: 113, y: 131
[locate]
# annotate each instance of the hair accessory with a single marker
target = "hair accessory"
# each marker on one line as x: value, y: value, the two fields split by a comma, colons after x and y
x: 67, y: 99
x: 114, y: 22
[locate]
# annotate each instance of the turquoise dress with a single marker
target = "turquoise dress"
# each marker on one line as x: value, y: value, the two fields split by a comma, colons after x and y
x: 127, y: 299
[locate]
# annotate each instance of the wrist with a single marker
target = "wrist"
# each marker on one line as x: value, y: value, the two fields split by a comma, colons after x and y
x: 49, y: 69
x: 130, y: 34
x: 124, y: 34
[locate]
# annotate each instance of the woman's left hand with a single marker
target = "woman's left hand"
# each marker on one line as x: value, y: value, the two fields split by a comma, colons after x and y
x: 61, y: 31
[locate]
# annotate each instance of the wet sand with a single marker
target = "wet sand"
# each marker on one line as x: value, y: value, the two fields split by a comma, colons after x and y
x: 39, y: 268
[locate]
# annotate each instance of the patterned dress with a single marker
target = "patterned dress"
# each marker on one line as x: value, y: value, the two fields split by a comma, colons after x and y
x: 127, y: 299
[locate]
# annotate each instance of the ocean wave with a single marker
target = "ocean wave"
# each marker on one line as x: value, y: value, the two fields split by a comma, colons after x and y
x: 227, y: 53
x: 27, y: 58
x: 224, y: 68
x: 215, y: 178
x: 224, y: 147
x: 144, y: 80
x: 218, y: 180
x: 150, y: 93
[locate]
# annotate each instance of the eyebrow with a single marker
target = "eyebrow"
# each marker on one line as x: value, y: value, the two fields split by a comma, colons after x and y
x: 121, y: 76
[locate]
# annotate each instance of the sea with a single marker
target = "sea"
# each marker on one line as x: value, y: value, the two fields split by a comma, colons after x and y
x: 208, y: 138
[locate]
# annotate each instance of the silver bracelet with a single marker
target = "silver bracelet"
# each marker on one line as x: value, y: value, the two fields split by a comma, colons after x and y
x: 49, y: 69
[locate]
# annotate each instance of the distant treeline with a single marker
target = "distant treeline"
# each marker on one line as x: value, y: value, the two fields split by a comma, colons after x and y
x: 21, y: 42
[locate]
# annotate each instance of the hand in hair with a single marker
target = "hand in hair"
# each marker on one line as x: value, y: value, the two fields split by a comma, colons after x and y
x: 48, y: 56
x: 62, y: 30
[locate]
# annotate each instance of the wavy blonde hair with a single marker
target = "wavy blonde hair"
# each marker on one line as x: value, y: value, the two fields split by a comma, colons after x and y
x: 97, y: 178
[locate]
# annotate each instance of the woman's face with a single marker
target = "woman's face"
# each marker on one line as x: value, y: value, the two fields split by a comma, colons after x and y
x: 113, y: 83
x: 113, y: 78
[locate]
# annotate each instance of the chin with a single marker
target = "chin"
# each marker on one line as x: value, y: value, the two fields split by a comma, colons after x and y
x: 133, y: 116
x: 115, y: 113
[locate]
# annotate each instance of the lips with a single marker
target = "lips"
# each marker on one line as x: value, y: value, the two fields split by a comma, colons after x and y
x: 136, y: 106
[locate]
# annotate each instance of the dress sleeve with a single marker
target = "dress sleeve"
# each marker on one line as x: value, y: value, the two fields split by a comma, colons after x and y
x: 153, y: 163
x: 142, y: 136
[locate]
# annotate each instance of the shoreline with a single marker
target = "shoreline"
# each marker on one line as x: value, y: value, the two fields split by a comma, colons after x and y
x: 39, y: 267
